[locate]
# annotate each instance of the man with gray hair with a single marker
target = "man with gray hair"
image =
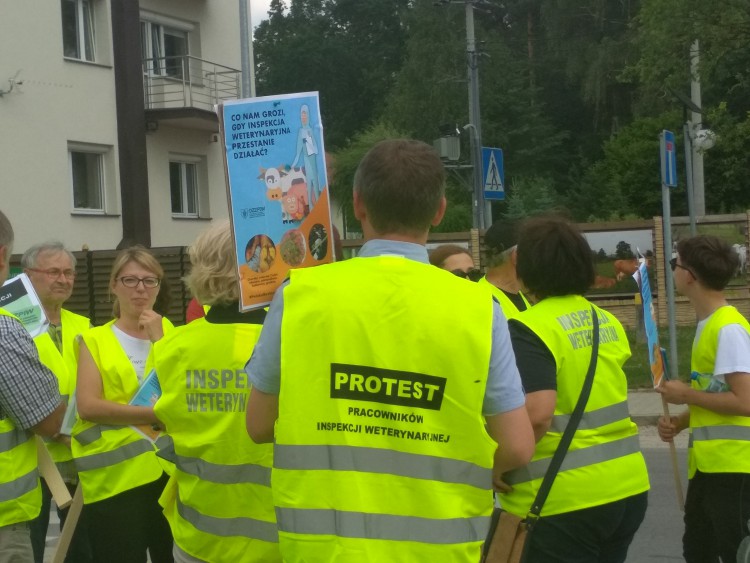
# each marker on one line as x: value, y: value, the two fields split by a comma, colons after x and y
x: 500, y: 242
x: 51, y: 269
x: 389, y: 385
x: 29, y: 404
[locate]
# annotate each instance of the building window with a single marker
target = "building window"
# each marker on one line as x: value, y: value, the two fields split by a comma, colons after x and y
x: 164, y: 49
x: 78, y: 29
x: 87, y: 176
x: 183, y: 187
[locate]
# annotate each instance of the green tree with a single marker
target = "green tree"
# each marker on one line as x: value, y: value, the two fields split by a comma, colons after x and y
x: 623, y: 251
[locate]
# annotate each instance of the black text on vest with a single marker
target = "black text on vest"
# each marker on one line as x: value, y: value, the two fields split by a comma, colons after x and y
x: 405, y: 388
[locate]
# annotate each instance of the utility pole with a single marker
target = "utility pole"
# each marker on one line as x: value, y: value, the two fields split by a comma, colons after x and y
x: 246, y: 52
x: 482, y: 217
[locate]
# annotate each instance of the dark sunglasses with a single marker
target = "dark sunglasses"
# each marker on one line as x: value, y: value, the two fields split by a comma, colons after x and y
x: 473, y: 275
x: 674, y: 265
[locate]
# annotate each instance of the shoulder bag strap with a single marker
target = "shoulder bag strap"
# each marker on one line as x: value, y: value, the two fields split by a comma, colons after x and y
x: 570, y: 429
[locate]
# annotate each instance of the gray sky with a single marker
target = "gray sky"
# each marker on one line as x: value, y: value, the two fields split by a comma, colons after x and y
x: 258, y: 11
x: 638, y: 240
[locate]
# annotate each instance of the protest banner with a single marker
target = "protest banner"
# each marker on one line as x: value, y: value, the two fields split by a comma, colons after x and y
x: 656, y: 355
x: 278, y: 190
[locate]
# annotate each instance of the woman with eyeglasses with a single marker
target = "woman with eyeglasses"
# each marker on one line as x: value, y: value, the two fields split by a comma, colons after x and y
x: 119, y: 472
x: 456, y: 259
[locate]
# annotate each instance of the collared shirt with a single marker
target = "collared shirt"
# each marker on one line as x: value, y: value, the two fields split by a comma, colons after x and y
x: 503, y: 393
x: 28, y: 390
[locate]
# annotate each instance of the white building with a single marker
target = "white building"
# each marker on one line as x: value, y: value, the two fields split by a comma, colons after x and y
x: 107, y: 134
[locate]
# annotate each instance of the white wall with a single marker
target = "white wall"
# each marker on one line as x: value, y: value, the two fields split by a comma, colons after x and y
x: 59, y: 101
x: 166, y: 230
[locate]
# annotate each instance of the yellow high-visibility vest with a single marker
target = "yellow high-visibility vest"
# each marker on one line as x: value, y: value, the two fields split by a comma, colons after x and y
x: 20, y: 491
x: 509, y: 308
x: 64, y: 366
x: 719, y: 443
x: 218, y: 502
x: 381, y: 452
x: 604, y: 462
x: 111, y: 459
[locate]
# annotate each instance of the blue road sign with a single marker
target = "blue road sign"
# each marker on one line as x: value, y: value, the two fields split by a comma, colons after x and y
x: 493, y: 173
x: 668, y: 159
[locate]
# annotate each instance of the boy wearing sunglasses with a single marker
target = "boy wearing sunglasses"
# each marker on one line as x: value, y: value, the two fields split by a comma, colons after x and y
x: 717, y: 507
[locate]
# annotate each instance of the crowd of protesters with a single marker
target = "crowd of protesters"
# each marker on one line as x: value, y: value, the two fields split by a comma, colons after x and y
x: 370, y: 413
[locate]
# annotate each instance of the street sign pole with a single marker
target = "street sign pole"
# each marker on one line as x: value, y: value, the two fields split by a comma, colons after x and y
x: 669, y: 180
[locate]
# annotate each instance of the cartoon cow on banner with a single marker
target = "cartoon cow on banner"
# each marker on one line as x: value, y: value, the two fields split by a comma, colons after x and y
x: 289, y: 187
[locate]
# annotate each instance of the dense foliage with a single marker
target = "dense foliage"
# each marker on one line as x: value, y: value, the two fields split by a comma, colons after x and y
x: 574, y: 91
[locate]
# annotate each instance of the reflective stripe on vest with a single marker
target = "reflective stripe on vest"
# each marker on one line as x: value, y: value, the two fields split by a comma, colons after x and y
x: 720, y: 433
x: 365, y: 525
x: 20, y: 486
x: 91, y: 435
x: 224, y: 474
x: 575, y: 459
x: 105, y: 459
x: 226, y: 527
x: 593, y: 419
x: 375, y: 460
x: 13, y: 438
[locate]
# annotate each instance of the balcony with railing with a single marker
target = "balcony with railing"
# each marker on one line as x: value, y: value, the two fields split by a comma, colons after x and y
x: 184, y: 89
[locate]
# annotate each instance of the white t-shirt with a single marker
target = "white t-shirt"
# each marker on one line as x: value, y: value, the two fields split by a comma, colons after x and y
x: 136, y: 349
x: 733, y: 351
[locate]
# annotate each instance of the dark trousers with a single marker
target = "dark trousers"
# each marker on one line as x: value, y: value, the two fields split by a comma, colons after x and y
x: 600, y: 534
x: 717, y: 508
x: 79, y: 550
x: 125, y: 526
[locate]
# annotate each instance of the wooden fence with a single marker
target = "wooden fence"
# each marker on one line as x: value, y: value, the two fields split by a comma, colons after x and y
x: 91, y: 291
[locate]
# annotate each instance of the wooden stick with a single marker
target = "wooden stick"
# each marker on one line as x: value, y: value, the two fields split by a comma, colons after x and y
x: 48, y: 471
x: 675, y: 467
x: 74, y: 513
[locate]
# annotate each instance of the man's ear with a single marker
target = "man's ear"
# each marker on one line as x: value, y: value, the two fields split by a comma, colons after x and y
x: 360, y: 213
x: 3, y: 256
x: 440, y: 212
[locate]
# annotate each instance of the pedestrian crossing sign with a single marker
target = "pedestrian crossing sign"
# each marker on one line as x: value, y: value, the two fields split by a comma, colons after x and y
x: 493, y: 173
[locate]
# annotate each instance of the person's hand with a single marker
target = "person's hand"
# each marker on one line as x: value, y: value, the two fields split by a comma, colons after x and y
x: 668, y: 428
x: 674, y: 391
x: 150, y: 322
x: 499, y: 485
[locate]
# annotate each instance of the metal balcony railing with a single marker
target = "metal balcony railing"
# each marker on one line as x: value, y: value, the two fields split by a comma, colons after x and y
x: 188, y: 82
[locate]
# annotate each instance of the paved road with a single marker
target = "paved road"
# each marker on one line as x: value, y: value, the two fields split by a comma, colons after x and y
x: 660, y: 536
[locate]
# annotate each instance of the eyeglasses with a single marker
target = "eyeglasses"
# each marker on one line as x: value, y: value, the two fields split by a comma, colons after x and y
x: 674, y: 265
x: 54, y: 273
x: 132, y: 281
x: 473, y: 274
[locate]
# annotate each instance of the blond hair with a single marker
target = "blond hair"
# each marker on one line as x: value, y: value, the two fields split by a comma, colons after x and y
x: 141, y: 256
x: 213, y: 278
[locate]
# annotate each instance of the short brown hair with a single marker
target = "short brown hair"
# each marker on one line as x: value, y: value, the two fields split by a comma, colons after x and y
x: 440, y: 254
x: 401, y: 183
x: 710, y: 259
x: 554, y: 259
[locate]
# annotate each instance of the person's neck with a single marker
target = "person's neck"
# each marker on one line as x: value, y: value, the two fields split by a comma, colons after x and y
x: 397, y: 237
x: 706, y: 302
x: 504, y: 277
x: 131, y: 327
x: 53, y: 312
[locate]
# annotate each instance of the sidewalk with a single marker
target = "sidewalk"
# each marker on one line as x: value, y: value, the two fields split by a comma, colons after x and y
x: 646, y: 407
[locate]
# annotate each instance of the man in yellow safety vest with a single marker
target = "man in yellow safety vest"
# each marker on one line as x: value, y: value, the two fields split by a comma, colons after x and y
x: 386, y: 385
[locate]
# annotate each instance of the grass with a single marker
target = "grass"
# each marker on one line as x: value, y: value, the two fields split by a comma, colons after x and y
x: 637, y: 367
